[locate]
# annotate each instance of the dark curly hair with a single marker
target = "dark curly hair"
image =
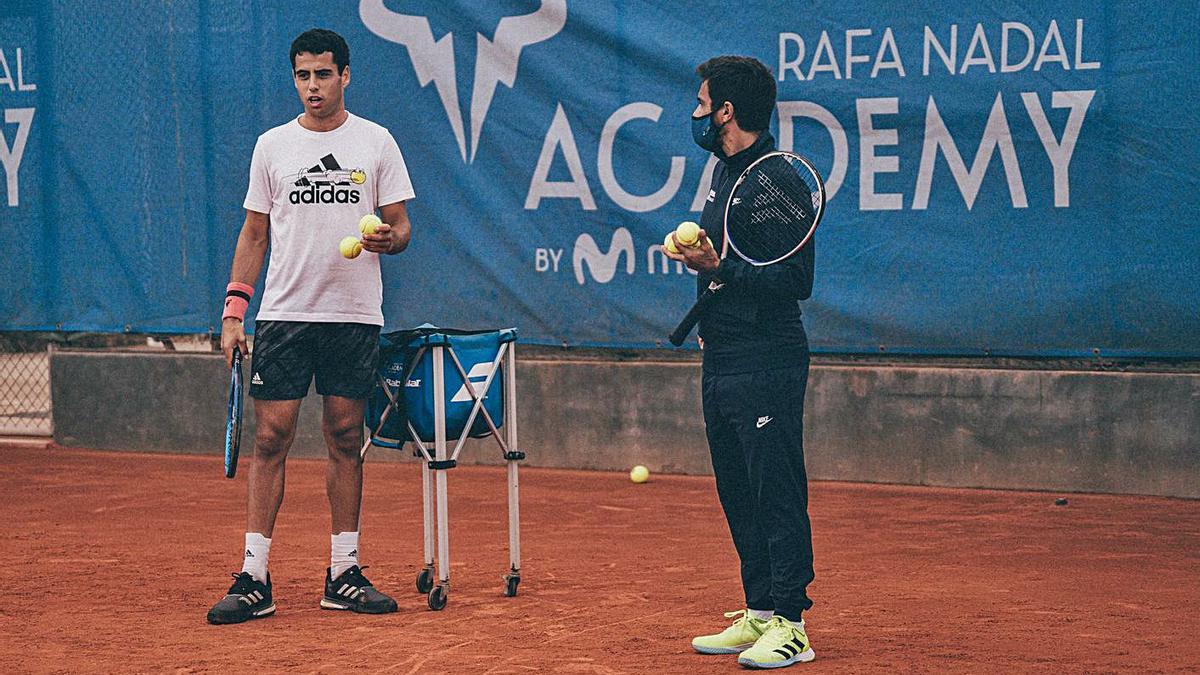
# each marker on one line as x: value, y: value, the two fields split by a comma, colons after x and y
x: 319, y: 41
x: 746, y: 83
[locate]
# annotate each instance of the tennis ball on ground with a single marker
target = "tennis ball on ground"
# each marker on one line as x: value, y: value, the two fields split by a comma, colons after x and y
x: 369, y: 223
x: 639, y: 474
x: 688, y: 234
x: 669, y: 244
x: 350, y: 247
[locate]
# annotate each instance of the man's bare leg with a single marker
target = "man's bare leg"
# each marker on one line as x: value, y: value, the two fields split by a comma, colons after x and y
x: 342, y: 425
x: 275, y: 430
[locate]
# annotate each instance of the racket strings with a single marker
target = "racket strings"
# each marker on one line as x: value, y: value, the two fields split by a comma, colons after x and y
x: 773, y: 194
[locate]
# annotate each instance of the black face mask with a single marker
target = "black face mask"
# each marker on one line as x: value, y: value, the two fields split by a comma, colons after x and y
x: 706, y: 134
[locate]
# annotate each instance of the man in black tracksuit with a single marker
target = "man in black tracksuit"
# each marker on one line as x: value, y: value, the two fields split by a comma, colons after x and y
x: 755, y: 374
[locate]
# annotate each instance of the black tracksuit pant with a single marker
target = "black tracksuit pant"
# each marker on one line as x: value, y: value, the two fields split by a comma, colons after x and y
x: 755, y: 424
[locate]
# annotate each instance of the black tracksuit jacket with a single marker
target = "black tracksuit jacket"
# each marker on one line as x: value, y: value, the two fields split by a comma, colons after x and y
x: 754, y: 323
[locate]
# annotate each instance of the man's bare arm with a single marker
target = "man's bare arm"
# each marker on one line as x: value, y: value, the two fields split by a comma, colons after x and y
x: 248, y: 259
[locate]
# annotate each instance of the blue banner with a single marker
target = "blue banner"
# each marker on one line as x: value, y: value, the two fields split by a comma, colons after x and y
x: 1015, y: 178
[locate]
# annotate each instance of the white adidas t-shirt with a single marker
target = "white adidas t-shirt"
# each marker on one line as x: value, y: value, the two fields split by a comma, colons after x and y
x: 315, y: 186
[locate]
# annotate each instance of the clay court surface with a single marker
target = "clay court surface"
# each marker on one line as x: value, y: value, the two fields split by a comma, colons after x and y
x: 111, y: 561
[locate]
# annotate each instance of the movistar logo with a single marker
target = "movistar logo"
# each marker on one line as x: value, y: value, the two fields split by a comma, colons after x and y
x: 603, y: 266
x: 495, y: 60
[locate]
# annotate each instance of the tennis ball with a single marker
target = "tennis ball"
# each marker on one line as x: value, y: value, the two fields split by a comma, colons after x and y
x: 688, y: 234
x: 670, y: 244
x: 350, y: 247
x: 639, y: 474
x: 369, y: 223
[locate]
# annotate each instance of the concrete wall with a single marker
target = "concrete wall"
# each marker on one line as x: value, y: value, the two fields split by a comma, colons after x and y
x: 155, y: 401
x: 928, y: 425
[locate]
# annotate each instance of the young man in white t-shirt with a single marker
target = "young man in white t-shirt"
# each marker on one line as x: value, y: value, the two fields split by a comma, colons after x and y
x: 311, y: 180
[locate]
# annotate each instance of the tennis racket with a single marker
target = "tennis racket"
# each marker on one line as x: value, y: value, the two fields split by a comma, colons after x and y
x: 772, y: 212
x: 233, y: 425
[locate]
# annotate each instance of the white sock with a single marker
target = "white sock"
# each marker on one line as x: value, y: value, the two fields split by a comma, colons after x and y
x: 760, y: 614
x: 343, y: 552
x: 258, y: 549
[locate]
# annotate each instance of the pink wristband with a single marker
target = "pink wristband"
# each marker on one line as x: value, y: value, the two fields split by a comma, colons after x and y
x: 237, y: 299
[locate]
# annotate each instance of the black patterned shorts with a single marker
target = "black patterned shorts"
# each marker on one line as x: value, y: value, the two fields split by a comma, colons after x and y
x: 287, y: 354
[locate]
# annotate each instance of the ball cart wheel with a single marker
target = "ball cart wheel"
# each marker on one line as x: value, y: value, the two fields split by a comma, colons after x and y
x: 510, y: 585
x: 437, y: 598
x: 425, y: 581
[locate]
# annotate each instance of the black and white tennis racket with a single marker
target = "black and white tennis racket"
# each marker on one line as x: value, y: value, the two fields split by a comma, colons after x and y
x: 233, y: 424
x: 772, y: 212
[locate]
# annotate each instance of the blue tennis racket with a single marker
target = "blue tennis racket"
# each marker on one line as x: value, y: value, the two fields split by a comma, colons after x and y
x: 233, y: 425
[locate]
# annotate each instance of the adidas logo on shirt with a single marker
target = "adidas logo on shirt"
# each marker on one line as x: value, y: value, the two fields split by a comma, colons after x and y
x: 321, y: 184
x: 256, y: 379
x: 328, y: 195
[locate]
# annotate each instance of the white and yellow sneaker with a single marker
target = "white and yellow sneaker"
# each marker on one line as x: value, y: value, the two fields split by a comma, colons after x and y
x: 740, y: 635
x: 782, y: 644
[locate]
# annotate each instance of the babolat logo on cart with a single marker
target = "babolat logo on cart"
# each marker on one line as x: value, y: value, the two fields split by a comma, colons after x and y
x: 322, y: 183
x: 478, y: 374
x: 413, y: 383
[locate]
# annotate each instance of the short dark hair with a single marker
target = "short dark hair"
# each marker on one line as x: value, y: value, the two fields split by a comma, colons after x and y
x: 318, y: 41
x: 746, y: 83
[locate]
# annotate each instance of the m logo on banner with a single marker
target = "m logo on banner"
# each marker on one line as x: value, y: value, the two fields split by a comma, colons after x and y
x: 602, y: 265
x: 495, y: 59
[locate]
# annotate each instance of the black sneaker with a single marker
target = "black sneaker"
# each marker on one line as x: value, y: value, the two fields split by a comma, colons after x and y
x: 247, y: 599
x: 352, y: 591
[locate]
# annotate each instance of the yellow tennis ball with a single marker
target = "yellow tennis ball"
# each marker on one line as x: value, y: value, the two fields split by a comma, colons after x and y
x: 369, y: 223
x: 350, y: 247
x: 358, y: 176
x: 670, y: 244
x: 639, y: 474
x: 688, y: 234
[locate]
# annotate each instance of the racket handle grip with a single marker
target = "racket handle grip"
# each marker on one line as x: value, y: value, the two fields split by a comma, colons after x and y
x: 685, y: 327
x: 693, y: 316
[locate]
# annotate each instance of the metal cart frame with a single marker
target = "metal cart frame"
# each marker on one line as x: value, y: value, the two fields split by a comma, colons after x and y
x: 439, y: 459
